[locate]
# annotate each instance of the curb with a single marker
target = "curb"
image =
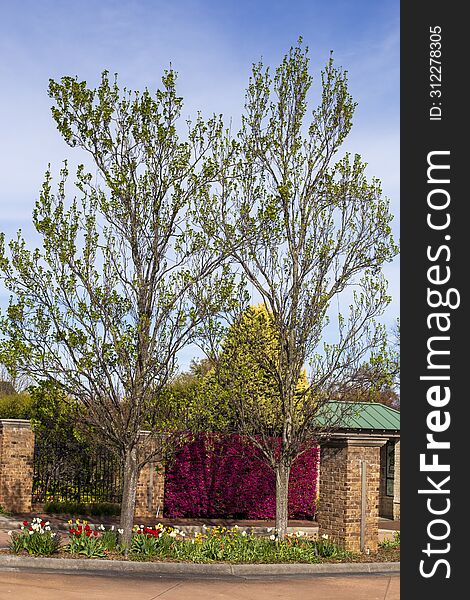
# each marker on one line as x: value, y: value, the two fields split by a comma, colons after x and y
x: 217, y: 570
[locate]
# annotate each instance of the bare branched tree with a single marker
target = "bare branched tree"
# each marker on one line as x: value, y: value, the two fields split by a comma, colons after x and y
x: 122, y: 281
x: 304, y: 228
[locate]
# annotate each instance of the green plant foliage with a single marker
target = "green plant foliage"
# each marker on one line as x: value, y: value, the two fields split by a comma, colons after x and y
x: 203, y: 398
x: 123, y: 278
x: 85, y: 540
x: 79, y: 508
x: 35, y: 538
x: 16, y: 406
x: 247, y: 371
x: 219, y: 544
x: 391, y: 543
x: 110, y: 541
x: 55, y: 415
x: 303, y: 224
x: 216, y: 544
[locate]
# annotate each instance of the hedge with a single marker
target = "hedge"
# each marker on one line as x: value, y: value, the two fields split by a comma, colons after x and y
x: 221, y: 476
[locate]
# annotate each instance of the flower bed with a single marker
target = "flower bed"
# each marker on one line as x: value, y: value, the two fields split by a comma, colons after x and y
x: 34, y: 538
x: 159, y: 543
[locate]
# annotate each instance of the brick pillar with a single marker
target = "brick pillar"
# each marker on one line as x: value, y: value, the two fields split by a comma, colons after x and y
x: 150, y: 486
x: 16, y: 465
x: 339, y: 514
x: 396, y: 483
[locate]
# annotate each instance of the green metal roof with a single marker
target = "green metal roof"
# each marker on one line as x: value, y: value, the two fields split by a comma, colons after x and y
x: 361, y: 415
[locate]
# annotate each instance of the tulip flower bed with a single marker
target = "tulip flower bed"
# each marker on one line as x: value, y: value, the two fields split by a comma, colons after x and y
x: 216, y: 544
x: 93, y: 543
x: 219, y: 544
x: 34, y: 538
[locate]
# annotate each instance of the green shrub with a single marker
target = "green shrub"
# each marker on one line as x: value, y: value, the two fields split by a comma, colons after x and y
x: 80, y: 508
x: 16, y: 406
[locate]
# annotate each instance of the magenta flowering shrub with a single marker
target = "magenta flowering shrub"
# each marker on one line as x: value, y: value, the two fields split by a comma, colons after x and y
x: 221, y: 476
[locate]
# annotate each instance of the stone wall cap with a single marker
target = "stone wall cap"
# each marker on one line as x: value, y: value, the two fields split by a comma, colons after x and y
x: 356, y: 439
x: 15, y: 423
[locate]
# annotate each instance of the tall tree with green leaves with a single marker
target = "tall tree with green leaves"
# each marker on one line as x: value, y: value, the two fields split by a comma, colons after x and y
x: 122, y: 280
x: 303, y: 225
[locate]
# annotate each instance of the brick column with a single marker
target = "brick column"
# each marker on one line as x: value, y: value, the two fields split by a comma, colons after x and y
x: 16, y: 465
x: 340, y: 511
x: 150, y: 486
x: 396, y: 483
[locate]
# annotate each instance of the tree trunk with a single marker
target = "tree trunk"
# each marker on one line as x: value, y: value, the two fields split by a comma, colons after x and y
x: 129, y: 490
x: 282, y: 494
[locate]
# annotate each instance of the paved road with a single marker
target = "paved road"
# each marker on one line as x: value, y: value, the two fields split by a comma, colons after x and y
x: 40, y: 586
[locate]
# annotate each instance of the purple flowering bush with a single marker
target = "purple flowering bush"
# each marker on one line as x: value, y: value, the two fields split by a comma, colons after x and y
x: 221, y: 476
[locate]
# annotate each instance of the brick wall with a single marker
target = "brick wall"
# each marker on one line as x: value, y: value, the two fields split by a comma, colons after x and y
x: 339, y: 514
x: 16, y: 465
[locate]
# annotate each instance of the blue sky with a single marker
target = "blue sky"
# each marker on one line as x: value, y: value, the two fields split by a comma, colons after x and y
x: 212, y: 45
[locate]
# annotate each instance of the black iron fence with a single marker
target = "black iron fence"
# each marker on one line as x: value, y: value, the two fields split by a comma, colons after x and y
x: 74, y: 472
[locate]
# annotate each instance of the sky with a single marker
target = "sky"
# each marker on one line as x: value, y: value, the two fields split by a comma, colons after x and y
x: 211, y: 44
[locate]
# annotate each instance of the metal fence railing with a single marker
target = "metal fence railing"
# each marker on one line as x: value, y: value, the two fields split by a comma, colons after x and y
x: 75, y: 472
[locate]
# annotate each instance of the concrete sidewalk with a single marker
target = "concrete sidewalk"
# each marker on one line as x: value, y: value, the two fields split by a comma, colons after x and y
x: 21, y: 586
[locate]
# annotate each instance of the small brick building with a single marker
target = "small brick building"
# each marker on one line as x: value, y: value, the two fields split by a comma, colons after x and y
x: 360, y: 475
